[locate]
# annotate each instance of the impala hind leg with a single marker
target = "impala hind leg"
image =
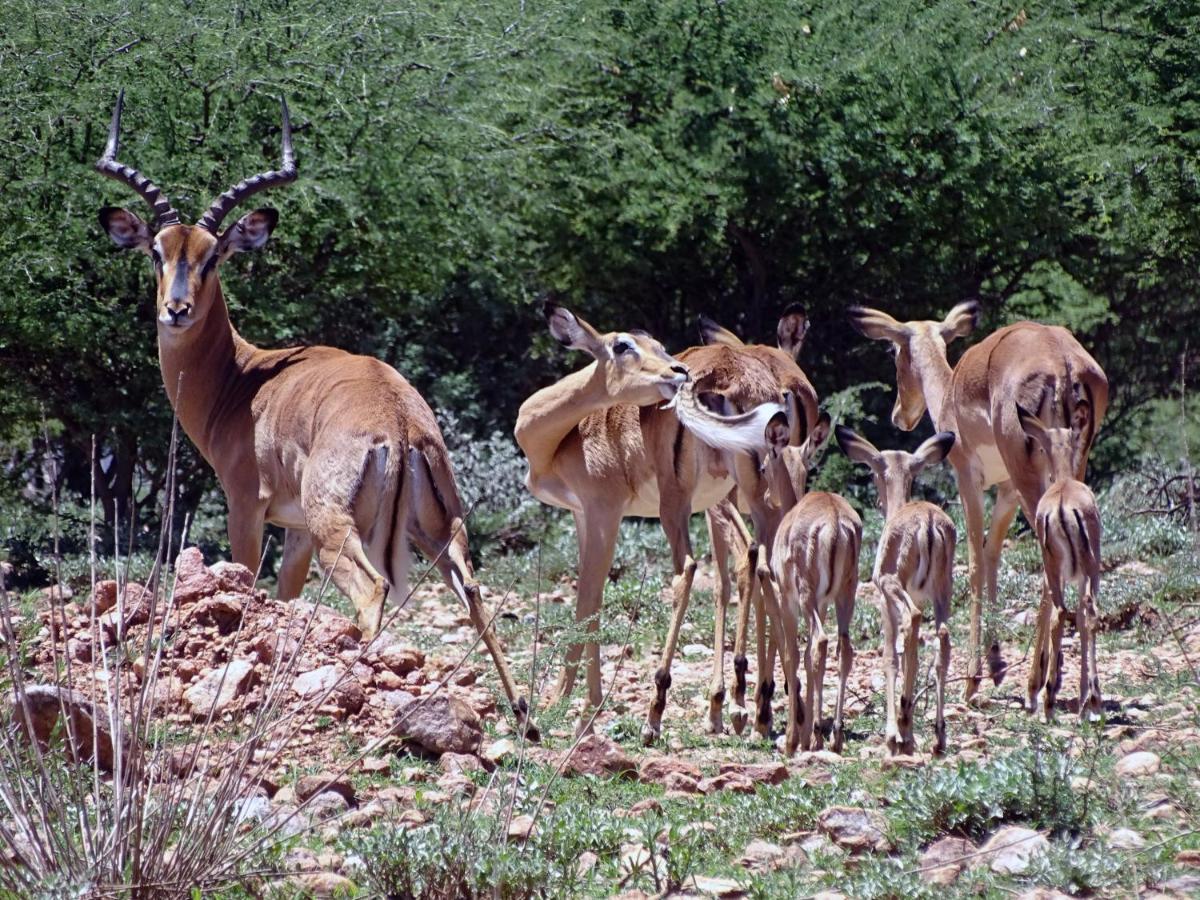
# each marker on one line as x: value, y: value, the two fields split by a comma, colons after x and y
x: 597, y: 533
x: 723, y: 540
x: 1090, y: 698
x: 436, y: 526
x: 341, y: 554
x: 816, y: 675
x: 768, y: 627
x: 293, y: 569
x: 785, y: 632
x: 845, y: 614
x: 747, y: 566
x: 1040, y: 651
x: 941, y: 620
x: 889, y: 613
x: 971, y: 493
x: 1003, y: 512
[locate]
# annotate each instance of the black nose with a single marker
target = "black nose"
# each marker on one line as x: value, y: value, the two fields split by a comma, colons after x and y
x: 680, y: 369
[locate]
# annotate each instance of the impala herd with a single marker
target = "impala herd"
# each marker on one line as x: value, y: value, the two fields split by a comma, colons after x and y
x: 342, y: 452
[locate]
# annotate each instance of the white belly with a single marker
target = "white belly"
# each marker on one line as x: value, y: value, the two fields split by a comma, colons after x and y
x: 708, y: 493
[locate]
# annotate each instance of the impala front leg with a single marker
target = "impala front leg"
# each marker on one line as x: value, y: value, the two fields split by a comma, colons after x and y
x: 681, y: 589
x: 246, y: 529
x: 765, y: 605
x: 845, y: 613
x: 297, y: 557
x: 1040, y: 663
x: 941, y: 618
x: 747, y: 596
x: 972, y: 499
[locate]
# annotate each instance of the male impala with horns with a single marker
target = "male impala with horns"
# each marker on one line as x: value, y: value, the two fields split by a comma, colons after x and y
x: 338, y: 449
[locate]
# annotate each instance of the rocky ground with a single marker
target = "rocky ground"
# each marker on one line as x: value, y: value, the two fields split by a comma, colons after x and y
x: 400, y: 733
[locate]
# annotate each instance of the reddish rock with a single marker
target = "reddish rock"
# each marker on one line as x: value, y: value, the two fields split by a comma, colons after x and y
x: 855, y: 828
x: 86, y: 729
x: 335, y: 686
x: 217, y: 688
x: 657, y: 768
x: 946, y: 858
x: 193, y: 580
x: 333, y: 631
x: 728, y: 781
x: 224, y: 611
x: 597, y: 755
x: 680, y: 783
x: 459, y: 763
x: 233, y: 577
x: 311, y: 785
x: 104, y: 597
x: 761, y: 773
x: 438, y: 724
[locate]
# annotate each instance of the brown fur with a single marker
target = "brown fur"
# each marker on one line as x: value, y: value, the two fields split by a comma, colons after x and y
x: 1041, y: 367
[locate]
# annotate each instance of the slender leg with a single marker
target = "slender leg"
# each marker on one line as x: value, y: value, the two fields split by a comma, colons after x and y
x: 1003, y: 512
x: 889, y: 614
x: 747, y: 596
x: 789, y: 648
x: 570, y: 669
x: 816, y: 690
x: 766, y: 646
x: 723, y: 538
x: 845, y: 614
x: 1058, y: 617
x: 972, y: 499
x: 784, y: 630
x: 595, y: 560
x: 941, y: 619
x: 245, y: 528
x: 1089, y: 674
x: 340, y: 551
x: 297, y: 557
x: 911, y: 628
x: 1040, y: 663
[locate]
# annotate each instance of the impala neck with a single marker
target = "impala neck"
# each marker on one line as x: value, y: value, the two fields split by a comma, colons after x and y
x: 934, y: 374
x: 552, y: 413
x: 199, y: 366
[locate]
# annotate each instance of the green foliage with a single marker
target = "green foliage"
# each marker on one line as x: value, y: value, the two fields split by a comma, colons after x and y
x: 1032, y: 785
x: 649, y: 161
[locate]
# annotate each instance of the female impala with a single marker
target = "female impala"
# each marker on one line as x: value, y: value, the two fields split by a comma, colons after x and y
x: 814, y: 560
x: 338, y: 449
x: 1068, y: 529
x: 1043, y: 368
x: 599, y: 443
x: 913, y: 563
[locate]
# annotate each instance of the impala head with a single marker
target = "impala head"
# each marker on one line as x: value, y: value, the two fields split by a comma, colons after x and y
x: 635, y: 366
x: 912, y: 344
x: 186, y: 257
x: 790, y: 458
x: 1061, y: 448
x: 790, y: 331
x: 894, y: 471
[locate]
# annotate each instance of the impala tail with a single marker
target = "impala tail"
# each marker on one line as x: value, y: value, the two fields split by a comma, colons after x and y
x: 741, y: 433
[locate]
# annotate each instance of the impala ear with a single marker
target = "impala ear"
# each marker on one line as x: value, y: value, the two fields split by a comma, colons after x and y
x: 1081, y: 418
x: 856, y: 447
x: 126, y: 230
x: 571, y: 331
x: 818, y: 435
x: 792, y: 327
x: 777, y: 433
x: 250, y: 232
x: 712, y: 333
x: 935, y: 449
x: 960, y: 321
x: 1034, y: 428
x: 876, y: 324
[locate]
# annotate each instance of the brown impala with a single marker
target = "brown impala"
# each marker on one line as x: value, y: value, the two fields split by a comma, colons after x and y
x: 338, y: 449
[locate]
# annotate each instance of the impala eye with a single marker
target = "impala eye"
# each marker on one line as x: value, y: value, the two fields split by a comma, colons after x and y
x: 621, y: 347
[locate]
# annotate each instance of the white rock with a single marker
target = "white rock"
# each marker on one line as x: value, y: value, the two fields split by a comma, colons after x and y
x: 1138, y: 764
x: 216, y: 688
x: 1010, y: 850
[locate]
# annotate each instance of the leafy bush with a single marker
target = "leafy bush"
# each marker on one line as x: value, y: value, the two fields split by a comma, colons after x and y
x: 1031, y: 785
